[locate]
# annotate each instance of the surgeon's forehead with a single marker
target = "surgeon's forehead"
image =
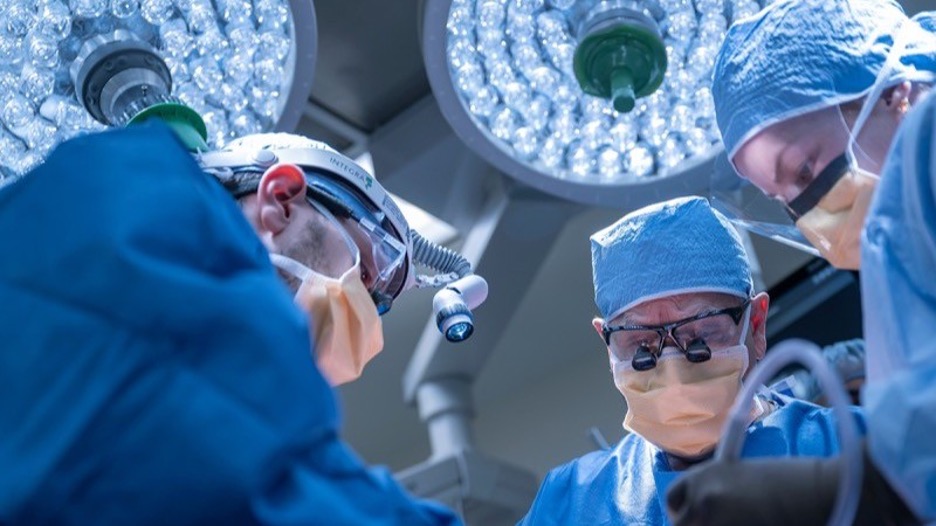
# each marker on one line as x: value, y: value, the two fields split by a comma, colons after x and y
x: 671, y: 308
x: 777, y: 147
x: 773, y: 157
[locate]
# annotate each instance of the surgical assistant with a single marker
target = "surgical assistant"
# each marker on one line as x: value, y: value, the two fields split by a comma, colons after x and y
x: 683, y: 326
x: 155, y: 369
x: 849, y: 130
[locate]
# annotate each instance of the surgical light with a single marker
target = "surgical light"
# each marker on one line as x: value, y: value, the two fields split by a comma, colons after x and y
x: 591, y: 100
x: 69, y: 67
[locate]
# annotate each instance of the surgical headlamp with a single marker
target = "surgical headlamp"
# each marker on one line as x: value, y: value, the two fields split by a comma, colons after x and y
x: 453, y: 304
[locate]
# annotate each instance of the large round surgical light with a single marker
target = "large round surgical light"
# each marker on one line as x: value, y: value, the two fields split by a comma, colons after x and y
x: 534, y: 86
x: 244, y: 65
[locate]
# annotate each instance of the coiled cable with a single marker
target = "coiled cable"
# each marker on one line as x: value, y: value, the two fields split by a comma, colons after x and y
x: 449, y: 264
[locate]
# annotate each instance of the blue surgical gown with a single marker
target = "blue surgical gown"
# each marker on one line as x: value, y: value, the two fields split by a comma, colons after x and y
x: 898, y: 288
x: 626, y: 485
x: 153, y: 369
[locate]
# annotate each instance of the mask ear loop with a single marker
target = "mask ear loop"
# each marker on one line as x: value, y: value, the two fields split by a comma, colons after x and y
x: 292, y: 266
x: 893, y: 56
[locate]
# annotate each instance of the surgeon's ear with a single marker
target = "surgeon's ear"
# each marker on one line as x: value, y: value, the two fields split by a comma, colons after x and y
x: 281, y: 188
x: 598, y: 323
x: 897, y: 98
x: 758, y: 331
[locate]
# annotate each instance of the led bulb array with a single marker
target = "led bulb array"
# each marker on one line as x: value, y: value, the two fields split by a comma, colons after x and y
x: 510, y: 62
x: 228, y: 59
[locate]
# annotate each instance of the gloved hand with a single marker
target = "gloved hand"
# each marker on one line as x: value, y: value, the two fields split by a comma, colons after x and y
x: 784, y: 491
x: 764, y: 492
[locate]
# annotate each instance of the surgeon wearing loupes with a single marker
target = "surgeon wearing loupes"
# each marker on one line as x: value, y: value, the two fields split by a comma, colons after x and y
x: 683, y: 327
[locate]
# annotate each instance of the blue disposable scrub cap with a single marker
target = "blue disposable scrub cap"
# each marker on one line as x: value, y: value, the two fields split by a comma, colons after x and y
x: 674, y: 247
x: 798, y: 56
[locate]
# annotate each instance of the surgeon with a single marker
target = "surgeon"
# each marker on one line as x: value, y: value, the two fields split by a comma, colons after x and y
x: 827, y: 107
x: 683, y: 327
x: 155, y: 368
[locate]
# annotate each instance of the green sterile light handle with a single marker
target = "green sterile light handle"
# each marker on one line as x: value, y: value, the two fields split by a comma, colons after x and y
x: 621, y: 63
x: 622, y: 90
x: 184, y: 121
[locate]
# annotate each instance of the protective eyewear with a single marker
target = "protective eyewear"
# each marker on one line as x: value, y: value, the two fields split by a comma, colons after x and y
x: 386, y: 259
x: 331, y: 250
x: 695, y: 336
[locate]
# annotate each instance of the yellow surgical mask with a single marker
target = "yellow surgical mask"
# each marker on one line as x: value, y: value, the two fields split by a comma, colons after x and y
x: 346, y: 329
x: 831, y: 211
x: 345, y: 326
x: 680, y: 406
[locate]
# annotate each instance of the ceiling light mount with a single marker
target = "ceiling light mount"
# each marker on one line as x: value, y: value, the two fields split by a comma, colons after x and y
x: 117, y: 71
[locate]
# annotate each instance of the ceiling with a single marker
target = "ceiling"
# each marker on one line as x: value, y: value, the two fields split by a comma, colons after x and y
x: 371, y: 93
x: 369, y: 66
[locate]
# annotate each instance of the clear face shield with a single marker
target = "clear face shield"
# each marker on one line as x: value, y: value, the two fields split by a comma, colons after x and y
x: 831, y: 211
x: 821, y: 213
x: 339, y: 252
x: 379, y: 254
x: 749, y: 208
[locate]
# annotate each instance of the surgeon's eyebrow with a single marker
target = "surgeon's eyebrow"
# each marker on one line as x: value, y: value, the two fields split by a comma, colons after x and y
x: 683, y: 312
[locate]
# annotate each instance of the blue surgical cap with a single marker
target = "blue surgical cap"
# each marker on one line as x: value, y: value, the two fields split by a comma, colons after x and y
x: 674, y: 247
x: 798, y: 56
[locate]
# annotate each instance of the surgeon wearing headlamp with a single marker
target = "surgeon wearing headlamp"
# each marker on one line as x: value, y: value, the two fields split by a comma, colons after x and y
x: 156, y: 369
x: 344, y: 257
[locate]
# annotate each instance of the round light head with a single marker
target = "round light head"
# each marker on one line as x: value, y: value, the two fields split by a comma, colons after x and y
x: 503, y: 72
x: 458, y: 328
x: 244, y: 65
x: 452, y: 315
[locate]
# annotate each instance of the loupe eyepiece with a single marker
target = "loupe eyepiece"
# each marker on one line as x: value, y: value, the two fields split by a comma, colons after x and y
x: 698, y: 352
x: 643, y: 360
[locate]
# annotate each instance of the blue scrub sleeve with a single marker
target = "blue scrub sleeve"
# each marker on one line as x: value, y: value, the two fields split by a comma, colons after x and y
x: 154, y: 368
x: 898, y: 282
x: 326, y: 484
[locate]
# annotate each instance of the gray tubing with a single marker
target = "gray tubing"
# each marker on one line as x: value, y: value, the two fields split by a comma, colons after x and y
x: 450, y: 264
x: 734, y: 431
